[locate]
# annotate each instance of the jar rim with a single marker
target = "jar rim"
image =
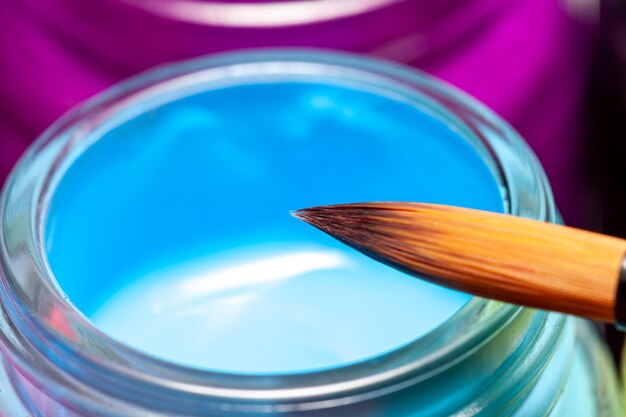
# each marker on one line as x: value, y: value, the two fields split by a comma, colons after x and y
x: 259, y: 15
x: 59, y: 334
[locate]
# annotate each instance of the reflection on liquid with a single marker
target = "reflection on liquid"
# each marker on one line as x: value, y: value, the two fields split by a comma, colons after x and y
x: 264, y: 271
x: 274, y: 308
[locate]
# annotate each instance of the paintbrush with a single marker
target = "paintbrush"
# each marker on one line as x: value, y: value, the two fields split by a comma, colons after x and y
x: 497, y: 256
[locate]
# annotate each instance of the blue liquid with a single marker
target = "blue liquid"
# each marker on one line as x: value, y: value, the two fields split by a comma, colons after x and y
x: 172, y: 233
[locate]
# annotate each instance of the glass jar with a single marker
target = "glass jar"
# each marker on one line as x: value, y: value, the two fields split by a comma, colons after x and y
x: 488, y: 359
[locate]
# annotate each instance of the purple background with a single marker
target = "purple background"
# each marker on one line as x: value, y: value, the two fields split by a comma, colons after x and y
x: 526, y: 59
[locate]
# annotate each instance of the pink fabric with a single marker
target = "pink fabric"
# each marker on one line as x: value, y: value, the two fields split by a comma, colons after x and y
x: 526, y: 59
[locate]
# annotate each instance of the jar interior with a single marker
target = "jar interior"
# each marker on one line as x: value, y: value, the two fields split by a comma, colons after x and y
x: 171, y: 231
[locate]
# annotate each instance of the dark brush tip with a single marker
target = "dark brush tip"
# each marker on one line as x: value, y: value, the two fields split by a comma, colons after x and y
x: 308, y: 215
x: 336, y: 220
x: 300, y: 214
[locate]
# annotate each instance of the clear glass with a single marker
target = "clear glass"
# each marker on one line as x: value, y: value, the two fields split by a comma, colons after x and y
x: 489, y: 359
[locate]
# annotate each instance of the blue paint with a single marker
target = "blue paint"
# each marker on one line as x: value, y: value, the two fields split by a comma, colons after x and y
x: 172, y: 232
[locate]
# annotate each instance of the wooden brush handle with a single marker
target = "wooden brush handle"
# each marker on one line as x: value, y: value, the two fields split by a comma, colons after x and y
x: 532, y: 263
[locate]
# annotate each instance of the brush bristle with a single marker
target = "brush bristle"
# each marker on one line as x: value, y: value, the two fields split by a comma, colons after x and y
x: 491, y: 255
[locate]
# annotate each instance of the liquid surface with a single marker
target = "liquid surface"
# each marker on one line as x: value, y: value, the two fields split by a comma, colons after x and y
x: 172, y: 233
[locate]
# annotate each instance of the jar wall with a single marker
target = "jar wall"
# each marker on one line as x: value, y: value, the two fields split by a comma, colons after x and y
x: 584, y: 385
x: 592, y: 383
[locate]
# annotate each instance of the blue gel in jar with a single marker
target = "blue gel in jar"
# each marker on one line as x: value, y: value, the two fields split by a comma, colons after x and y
x: 172, y: 232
